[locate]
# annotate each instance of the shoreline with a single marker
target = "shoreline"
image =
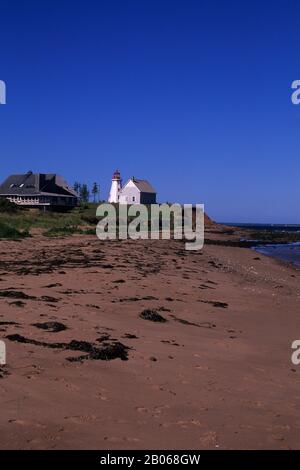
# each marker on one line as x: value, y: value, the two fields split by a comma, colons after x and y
x: 214, y: 374
x: 283, y: 256
x: 240, y: 238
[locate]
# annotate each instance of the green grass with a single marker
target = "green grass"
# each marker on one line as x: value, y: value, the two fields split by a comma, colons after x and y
x: 62, y: 231
x: 80, y: 220
x: 20, y: 221
x: 7, y: 206
x: 9, y: 232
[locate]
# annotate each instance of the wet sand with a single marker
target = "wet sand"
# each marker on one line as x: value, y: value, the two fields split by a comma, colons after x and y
x: 87, y: 371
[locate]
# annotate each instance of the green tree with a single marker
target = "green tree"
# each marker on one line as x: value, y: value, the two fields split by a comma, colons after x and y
x: 95, y: 191
x: 77, y: 187
x: 84, y: 193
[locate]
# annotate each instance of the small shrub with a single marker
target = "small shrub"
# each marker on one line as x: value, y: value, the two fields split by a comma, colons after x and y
x: 152, y: 315
x: 6, y: 231
x: 7, y: 206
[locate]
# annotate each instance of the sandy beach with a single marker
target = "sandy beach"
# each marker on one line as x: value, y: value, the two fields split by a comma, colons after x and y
x: 85, y: 370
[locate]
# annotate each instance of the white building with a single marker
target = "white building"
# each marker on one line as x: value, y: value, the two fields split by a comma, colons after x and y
x: 134, y: 191
x: 115, y: 188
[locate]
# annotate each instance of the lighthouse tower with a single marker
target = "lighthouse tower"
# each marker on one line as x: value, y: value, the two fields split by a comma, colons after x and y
x: 115, y: 187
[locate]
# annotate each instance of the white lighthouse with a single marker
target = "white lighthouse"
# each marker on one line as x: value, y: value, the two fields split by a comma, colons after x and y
x: 115, y: 187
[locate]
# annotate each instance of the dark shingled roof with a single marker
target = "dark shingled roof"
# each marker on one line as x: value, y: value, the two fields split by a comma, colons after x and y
x: 143, y: 185
x: 36, y: 184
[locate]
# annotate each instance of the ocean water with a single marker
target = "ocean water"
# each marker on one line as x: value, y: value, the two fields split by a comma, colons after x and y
x: 289, y: 252
x: 268, y: 227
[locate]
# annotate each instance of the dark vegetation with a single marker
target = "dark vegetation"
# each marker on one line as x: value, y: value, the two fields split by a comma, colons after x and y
x: 106, y: 352
x: 17, y: 222
x: 276, y: 236
x: 152, y: 315
x: 52, y: 326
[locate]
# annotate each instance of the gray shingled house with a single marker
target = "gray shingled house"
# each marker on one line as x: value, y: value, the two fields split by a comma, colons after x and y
x: 137, y: 191
x: 44, y: 190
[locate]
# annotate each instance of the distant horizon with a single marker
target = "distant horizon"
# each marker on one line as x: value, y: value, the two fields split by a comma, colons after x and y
x: 105, y: 197
x: 259, y: 223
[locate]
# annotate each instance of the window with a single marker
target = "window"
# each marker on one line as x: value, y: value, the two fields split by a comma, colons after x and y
x: 133, y: 198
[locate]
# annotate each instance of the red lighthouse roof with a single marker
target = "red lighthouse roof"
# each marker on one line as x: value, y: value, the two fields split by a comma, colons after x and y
x: 116, y: 175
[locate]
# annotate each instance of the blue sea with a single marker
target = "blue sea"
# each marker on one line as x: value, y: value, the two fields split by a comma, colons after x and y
x: 289, y: 252
x: 268, y: 227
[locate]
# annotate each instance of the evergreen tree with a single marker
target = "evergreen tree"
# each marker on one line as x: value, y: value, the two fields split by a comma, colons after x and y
x: 95, y: 191
x: 84, y: 193
x: 77, y: 187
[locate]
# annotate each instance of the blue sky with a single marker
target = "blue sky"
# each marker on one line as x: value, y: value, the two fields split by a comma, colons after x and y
x: 192, y: 95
